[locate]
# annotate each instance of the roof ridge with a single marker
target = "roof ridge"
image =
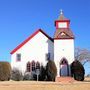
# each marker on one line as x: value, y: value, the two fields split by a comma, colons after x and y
x: 30, y: 37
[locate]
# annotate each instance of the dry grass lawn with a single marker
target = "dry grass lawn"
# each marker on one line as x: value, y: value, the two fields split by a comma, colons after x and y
x: 33, y: 85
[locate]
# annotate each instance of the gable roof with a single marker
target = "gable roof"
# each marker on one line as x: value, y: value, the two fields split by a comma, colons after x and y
x: 29, y: 38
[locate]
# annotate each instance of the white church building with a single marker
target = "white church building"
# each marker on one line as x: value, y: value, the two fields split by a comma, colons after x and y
x: 40, y: 47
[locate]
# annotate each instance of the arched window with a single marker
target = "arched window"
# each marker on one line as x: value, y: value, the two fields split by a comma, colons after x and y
x: 63, y: 61
x: 28, y: 67
x: 37, y: 65
x: 33, y: 65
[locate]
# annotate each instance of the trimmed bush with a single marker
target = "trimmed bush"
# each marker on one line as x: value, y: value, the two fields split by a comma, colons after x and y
x: 16, y: 75
x: 5, y: 71
x: 77, y: 70
x: 51, y: 71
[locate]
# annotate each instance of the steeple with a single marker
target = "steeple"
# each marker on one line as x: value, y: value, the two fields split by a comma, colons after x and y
x: 63, y: 46
x: 63, y: 27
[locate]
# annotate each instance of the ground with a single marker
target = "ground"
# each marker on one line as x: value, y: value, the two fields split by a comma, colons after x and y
x: 34, y: 85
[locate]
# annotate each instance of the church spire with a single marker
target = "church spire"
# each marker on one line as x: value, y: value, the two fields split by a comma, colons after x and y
x: 62, y: 17
x: 63, y: 27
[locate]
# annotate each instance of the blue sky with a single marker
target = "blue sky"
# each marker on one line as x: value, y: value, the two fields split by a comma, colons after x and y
x: 20, y: 18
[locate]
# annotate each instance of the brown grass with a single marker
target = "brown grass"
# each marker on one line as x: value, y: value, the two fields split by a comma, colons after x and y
x: 34, y: 85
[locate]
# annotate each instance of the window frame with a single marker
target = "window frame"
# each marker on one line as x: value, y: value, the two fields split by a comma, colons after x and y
x: 18, y: 57
x: 37, y: 65
x: 33, y: 65
x: 28, y: 67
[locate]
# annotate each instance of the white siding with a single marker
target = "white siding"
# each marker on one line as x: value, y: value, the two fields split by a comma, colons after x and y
x: 63, y: 48
x: 35, y: 49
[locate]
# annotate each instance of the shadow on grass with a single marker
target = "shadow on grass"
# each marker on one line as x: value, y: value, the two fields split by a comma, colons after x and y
x: 86, y: 81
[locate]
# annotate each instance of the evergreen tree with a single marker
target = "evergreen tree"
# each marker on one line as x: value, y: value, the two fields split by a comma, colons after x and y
x: 51, y: 70
x: 77, y: 70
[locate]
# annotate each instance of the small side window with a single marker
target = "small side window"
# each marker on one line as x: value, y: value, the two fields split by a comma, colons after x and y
x: 18, y: 57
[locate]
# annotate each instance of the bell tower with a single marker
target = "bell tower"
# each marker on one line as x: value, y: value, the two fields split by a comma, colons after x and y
x: 63, y: 46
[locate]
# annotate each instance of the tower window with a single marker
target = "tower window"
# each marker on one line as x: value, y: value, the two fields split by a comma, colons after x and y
x: 18, y: 57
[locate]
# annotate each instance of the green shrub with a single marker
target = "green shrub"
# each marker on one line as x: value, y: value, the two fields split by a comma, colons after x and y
x: 77, y: 70
x: 5, y: 71
x: 16, y: 75
x: 51, y: 71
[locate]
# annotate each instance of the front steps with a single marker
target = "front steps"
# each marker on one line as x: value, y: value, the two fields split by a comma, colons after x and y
x: 64, y: 79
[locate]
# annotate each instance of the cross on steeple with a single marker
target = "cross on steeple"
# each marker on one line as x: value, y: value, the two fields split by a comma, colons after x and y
x: 61, y: 17
x: 61, y: 11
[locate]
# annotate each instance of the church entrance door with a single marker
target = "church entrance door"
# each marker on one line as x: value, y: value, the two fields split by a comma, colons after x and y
x: 64, y: 67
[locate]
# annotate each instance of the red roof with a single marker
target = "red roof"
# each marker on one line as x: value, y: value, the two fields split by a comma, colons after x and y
x: 29, y: 38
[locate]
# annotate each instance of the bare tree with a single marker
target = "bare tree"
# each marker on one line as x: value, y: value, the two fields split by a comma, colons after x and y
x: 83, y: 55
